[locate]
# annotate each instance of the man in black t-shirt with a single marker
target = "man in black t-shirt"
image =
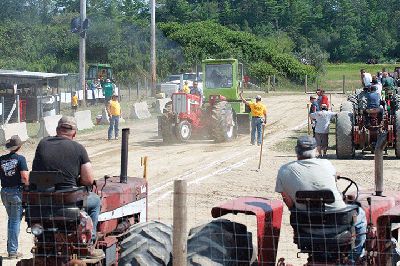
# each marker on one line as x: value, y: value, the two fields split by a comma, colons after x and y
x: 61, y: 153
x: 13, y: 175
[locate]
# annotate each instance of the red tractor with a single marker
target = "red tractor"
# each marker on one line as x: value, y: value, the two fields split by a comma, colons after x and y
x: 62, y: 229
x: 326, y: 236
x: 186, y: 116
x: 221, y: 116
x: 357, y: 128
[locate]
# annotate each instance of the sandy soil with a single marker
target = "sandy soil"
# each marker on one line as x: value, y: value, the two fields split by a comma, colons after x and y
x: 214, y: 172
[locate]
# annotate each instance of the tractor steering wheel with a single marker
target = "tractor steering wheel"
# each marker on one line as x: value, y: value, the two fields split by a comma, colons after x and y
x: 347, y: 188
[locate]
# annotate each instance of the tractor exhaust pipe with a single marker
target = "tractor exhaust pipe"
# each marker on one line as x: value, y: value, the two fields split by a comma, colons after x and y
x: 379, y: 148
x: 123, y: 178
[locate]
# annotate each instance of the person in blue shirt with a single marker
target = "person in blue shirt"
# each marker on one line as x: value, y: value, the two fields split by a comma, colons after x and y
x: 314, y: 107
x: 373, y: 102
x: 14, y: 175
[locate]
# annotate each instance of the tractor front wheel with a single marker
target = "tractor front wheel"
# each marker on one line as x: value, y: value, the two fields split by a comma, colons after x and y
x: 223, y: 122
x: 184, y: 131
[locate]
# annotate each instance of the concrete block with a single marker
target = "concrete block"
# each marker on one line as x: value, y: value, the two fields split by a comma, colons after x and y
x: 48, y: 126
x: 84, y: 119
x: 140, y: 110
x: 160, y: 105
x: 9, y: 130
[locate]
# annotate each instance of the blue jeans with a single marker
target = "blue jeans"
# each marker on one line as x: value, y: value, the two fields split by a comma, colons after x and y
x: 256, y: 125
x: 114, y: 121
x: 361, y: 229
x: 93, y: 209
x: 12, y: 200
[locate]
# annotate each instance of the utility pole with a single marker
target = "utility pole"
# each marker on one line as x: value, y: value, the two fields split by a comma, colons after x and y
x: 153, y: 47
x: 82, y: 52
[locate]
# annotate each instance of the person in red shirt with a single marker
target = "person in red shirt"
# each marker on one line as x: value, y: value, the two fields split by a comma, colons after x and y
x: 322, y: 98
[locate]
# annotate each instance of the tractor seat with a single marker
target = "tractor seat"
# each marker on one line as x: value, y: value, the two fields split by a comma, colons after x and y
x: 318, y: 229
x: 373, y: 110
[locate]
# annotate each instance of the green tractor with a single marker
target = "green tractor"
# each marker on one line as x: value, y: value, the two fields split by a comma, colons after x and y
x: 221, y: 116
x: 99, y: 71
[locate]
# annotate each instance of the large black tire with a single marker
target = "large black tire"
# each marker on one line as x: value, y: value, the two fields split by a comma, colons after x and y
x: 344, y: 135
x: 347, y: 106
x: 223, y: 122
x: 146, y: 244
x: 183, y: 131
x: 397, y: 143
x: 167, y: 125
x: 220, y: 242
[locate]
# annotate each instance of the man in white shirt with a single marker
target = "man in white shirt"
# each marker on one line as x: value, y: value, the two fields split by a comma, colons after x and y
x: 366, y: 78
x: 323, y: 120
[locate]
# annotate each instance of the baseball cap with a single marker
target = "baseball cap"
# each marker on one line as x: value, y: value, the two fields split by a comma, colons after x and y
x: 258, y: 97
x: 14, y: 143
x: 313, y: 97
x: 324, y: 105
x: 114, y: 95
x: 306, y: 143
x: 67, y: 122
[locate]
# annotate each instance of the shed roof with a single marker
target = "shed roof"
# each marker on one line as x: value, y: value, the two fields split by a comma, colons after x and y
x: 28, y: 74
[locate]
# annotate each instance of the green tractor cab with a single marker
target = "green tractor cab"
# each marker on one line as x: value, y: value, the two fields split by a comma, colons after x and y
x: 99, y: 71
x: 224, y: 77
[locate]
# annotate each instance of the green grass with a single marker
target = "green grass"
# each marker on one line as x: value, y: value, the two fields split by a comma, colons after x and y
x: 332, y: 80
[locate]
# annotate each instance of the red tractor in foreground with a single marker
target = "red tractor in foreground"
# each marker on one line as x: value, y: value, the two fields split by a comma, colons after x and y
x: 62, y: 228
x: 326, y: 236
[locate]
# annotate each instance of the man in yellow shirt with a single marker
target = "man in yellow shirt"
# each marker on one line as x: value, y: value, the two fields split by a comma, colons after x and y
x: 74, y: 102
x: 186, y: 88
x: 114, y: 113
x: 258, y: 118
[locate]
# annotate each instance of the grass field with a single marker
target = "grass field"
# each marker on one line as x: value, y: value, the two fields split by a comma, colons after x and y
x: 332, y: 80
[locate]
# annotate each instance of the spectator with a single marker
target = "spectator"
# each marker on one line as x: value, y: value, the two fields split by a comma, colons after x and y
x: 378, y: 86
x: 366, y: 78
x: 186, y: 88
x: 114, y: 113
x: 322, y: 119
x: 74, y: 102
x: 309, y: 173
x: 387, y: 82
x: 258, y: 118
x: 73, y: 163
x: 313, y: 108
x: 322, y: 98
x: 108, y: 90
x: 14, y: 175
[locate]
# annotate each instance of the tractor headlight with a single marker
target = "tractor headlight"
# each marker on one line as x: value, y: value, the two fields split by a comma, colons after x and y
x: 37, y: 229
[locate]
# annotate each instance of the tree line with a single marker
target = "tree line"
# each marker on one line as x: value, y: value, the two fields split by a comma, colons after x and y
x: 269, y: 36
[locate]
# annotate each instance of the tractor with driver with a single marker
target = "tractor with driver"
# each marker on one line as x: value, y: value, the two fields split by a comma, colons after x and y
x: 62, y: 229
x: 220, y: 115
x: 357, y: 128
x: 328, y: 237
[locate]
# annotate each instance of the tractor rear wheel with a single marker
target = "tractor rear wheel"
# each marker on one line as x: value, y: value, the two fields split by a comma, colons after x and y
x: 397, y: 143
x: 223, y: 122
x: 220, y: 242
x: 184, y: 131
x: 344, y: 135
x: 147, y: 243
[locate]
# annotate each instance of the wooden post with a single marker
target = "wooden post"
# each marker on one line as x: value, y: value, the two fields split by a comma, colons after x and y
x: 344, y: 83
x: 179, y: 251
x: 308, y: 119
x: 137, y: 90
x: 305, y: 84
x: 330, y: 100
x: 269, y: 82
x: 144, y: 164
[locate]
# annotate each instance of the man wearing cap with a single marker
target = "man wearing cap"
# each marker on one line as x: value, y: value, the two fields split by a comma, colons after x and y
x: 258, y: 118
x: 66, y: 156
x: 322, y: 120
x: 108, y: 90
x: 309, y: 173
x: 14, y: 175
x: 114, y: 113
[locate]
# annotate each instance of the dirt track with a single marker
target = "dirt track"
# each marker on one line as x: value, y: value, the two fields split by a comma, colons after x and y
x: 215, y: 172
